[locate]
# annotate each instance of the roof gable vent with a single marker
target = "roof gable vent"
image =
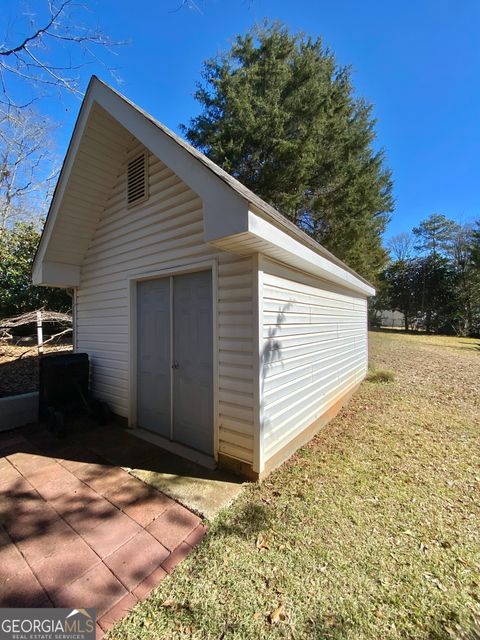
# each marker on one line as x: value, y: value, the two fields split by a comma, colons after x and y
x: 137, y: 179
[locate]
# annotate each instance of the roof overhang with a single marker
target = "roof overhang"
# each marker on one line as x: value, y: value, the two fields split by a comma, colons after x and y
x: 235, y: 219
x: 261, y: 236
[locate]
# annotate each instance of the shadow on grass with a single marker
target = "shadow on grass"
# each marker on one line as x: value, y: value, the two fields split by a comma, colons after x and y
x: 248, y: 520
x: 470, y: 631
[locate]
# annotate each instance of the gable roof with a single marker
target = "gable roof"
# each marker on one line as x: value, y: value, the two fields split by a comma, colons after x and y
x: 233, y: 213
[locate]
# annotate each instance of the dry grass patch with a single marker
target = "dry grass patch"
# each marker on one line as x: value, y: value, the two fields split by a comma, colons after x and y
x: 370, y: 532
x: 380, y: 375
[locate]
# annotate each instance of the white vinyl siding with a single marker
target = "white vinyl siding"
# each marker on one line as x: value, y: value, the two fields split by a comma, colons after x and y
x: 163, y: 232
x: 288, y: 341
x: 235, y: 356
x: 313, y: 350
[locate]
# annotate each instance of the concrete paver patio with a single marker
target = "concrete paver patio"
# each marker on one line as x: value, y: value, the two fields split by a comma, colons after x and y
x: 76, y: 531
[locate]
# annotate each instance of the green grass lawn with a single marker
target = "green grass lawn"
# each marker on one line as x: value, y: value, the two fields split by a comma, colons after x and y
x: 371, y: 531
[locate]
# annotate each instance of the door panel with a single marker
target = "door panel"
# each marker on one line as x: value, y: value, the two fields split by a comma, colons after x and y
x: 153, y: 356
x: 193, y: 353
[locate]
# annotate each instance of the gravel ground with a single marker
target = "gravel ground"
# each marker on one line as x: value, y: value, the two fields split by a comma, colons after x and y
x: 19, y: 367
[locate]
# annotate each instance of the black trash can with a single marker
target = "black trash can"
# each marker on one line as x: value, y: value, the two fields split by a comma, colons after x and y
x: 64, y: 389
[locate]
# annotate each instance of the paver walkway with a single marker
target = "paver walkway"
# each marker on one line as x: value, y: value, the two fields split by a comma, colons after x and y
x: 76, y: 532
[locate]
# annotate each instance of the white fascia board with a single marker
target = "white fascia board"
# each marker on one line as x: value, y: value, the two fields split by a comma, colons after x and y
x: 60, y: 190
x: 56, y: 274
x: 37, y: 272
x: 311, y: 262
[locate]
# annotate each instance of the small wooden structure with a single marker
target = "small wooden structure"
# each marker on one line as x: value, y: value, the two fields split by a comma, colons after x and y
x: 215, y: 326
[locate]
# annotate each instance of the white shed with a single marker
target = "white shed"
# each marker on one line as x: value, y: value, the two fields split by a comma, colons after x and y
x: 215, y: 327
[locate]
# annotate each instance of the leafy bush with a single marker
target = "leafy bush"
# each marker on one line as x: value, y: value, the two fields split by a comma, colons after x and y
x: 18, y: 245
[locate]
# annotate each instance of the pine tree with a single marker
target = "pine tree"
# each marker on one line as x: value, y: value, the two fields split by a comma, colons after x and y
x: 280, y: 114
x: 399, y: 289
x: 440, y: 288
x: 475, y: 246
x: 434, y: 235
x: 474, y: 261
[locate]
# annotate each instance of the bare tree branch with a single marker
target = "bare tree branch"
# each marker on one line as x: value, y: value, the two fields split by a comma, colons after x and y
x: 33, y: 59
x: 187, y: 4
x: 27, y: 172
x: 35, y: 36
x: 401, y: 246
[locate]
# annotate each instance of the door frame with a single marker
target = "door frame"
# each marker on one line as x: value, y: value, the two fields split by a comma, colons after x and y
x: 191, y: 267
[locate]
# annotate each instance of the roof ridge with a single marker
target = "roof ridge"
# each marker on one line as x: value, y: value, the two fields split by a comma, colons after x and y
x: 235, y: 184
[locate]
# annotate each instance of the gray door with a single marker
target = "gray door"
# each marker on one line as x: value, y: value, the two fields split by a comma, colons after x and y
x: 175, y: 358
x: 153, y: 355
x: 192, y: 355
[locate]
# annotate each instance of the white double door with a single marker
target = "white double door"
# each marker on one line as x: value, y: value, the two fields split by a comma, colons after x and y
x: 175, y: 358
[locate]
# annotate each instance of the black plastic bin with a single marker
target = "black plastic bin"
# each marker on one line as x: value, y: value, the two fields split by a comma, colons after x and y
x: 64, y: 389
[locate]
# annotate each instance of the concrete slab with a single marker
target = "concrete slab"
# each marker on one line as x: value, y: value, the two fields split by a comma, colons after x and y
x: 202, y: 490
x: 205, y: 496
x: 15, y: 411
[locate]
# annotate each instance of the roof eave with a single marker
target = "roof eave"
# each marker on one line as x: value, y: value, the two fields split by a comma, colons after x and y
x: 261, y: 236
x: 230, y: 209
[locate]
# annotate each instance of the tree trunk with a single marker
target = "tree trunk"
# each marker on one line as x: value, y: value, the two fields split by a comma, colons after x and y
x: 428, y: 320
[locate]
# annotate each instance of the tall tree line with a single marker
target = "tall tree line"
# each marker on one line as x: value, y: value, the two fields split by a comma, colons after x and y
x: 433, y: 277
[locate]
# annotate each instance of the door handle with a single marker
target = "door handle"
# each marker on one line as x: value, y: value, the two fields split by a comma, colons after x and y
x: 175, y: 365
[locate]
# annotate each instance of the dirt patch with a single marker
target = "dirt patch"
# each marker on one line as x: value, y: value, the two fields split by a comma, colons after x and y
x: 19, y: 368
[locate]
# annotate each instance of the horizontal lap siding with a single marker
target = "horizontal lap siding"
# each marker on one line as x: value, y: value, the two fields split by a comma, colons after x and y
x: 163, y: 232
x: 314, y: 349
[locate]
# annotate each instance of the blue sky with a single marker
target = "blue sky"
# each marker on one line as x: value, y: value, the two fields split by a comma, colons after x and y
x: 417, y: 61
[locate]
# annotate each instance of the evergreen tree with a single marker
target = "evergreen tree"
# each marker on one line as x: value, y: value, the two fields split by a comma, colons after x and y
x: 475, y: 246
x: 434, y: 235
x: 439, y: 290
x: 280, y: 114
x: 400, y: 289
x: 461, y: 252
x: 435, y: 292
